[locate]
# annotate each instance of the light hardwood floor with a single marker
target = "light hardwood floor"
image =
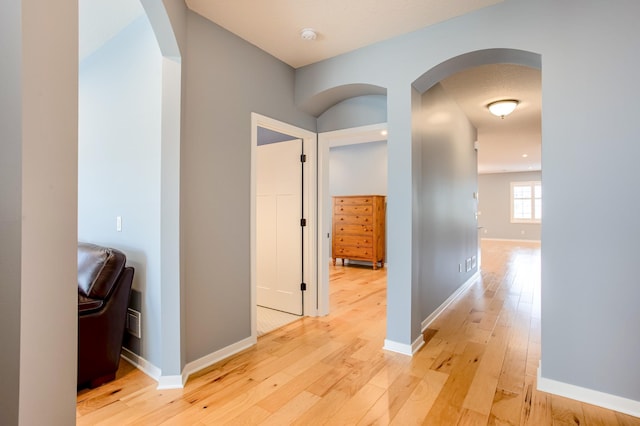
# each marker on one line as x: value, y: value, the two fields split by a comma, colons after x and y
x: 478, y: 366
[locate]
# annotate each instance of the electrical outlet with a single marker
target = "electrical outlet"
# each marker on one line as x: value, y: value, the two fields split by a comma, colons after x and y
x: 468, y: 265
x: 474, y: 262
x: 119, y: 223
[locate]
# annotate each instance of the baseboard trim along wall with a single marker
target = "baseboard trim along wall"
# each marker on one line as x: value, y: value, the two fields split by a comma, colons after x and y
x: 170, y: 382
x: 219, y: 355
x: 403, y: 348
x: 588, y: 396
x: 459, y: 292
x: 141, y: 364
x: 178, y: 381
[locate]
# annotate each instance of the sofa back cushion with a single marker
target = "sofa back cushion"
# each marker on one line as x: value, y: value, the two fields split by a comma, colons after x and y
x: 98, y: 269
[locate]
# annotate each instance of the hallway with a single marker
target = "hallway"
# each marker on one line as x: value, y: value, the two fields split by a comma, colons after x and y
x: 478, y: 366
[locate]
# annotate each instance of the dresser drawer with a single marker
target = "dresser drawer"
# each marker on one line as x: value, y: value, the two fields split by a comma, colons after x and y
x: 340, y: 219
x: 351, y: 252
x: 339, y: 229
x: 353, y: 240
x: 340, y: 201
x: 353, y: 209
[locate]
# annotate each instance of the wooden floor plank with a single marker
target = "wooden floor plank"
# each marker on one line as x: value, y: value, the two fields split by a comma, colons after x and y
x: 419, y: 403
x: 448, y: 405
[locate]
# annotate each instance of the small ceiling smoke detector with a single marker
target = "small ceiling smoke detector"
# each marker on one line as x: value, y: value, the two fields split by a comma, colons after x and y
x: 308, y: 34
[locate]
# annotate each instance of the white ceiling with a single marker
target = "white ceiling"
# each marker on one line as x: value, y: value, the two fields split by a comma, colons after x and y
x: 345, y: 25
x: 341, y: 25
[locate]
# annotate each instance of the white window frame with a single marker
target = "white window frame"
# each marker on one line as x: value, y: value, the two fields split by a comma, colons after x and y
x: 531, y: 184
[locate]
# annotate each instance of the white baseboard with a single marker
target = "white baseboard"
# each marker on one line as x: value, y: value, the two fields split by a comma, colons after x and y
x: 403, y: 348
x: 459, y: 292
x: 589, y: 396
x: 510, y: 240
x: 219, y: 355
x: 171, y: 382
x: 141, y: 364
x: 164, y: 382
x: 177, y: 381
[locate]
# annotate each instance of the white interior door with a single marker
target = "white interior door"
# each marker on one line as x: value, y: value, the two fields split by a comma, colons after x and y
x: 278, y: 230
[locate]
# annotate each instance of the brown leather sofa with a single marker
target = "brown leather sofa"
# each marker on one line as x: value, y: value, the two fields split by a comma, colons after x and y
x: 104, y: 285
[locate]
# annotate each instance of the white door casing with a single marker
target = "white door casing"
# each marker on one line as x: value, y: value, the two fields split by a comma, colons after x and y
x: 310, y: 253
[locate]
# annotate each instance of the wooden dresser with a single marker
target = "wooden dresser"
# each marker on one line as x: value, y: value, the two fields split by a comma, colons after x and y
x: 359, y: 228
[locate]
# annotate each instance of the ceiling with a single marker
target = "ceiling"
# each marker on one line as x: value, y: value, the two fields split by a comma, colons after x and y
x: 346, y: 25
x: 341, y: 25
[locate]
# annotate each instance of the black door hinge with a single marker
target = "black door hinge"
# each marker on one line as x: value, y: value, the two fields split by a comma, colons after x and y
x: 303, y: 222
x: 303, y: 158
x: 303, y: 286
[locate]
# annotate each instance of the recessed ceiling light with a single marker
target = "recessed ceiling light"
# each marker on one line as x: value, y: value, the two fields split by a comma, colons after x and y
x: 525, y: 155
x: 383, y: 133
x: 308, y: 34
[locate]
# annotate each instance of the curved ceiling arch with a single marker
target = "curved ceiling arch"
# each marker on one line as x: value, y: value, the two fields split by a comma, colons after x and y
x: 322, y: 101
x: 475, y: 59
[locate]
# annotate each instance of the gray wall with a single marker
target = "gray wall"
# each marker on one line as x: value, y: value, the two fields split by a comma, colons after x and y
x: 494, y: 207
x: 446, y: 224
x: 119, y: 162
x: 589, y: 150
x: 225, y: 79
x: 38, y: 258
x: 358, y: 169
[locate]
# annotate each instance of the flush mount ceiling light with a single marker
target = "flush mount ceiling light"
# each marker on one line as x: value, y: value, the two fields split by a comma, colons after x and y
x: 502, y: 108
x: 308, y: 34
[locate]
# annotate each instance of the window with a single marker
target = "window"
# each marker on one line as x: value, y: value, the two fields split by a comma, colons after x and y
x: 526, y: 202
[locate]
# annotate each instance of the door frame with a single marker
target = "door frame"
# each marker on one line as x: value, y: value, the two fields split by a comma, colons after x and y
x: 310, y: 208
x: 326, y: 141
